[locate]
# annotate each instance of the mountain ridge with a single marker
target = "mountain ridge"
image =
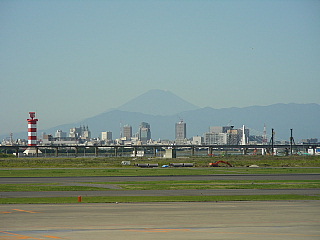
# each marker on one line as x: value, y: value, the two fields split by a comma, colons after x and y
x: 302, y: 118
x: 157, y: 102
x: 284, y: 117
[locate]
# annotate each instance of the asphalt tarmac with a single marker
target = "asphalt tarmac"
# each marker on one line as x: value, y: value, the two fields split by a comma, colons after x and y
x: 235, y: 177
x: 285, y: 220
x: 214, y: 192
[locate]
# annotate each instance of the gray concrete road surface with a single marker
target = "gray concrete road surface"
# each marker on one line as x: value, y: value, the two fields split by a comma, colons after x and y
x: 315, y: 176
x: 186, y: 192
x: 285, y: 220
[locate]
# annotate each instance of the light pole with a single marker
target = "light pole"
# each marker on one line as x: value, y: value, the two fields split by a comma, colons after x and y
x: 291, y: 141
x: 272, y: 142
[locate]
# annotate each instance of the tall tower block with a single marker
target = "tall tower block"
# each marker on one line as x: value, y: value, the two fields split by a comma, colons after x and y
x: 32, y: 129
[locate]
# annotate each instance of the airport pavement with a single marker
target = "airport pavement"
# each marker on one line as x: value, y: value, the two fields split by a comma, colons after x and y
x: 285, y: 220
x: 235, y: 177
x: 185, y: 192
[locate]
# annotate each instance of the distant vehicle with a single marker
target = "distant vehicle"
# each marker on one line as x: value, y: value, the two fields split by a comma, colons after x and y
x: 216, y: 164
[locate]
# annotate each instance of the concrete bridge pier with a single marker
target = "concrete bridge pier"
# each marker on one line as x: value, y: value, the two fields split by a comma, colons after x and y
x: 155, y: 151
x: 76, y: 152
x: 210, y: 151
x: 56, y: 151
x: 96, y: 151
x: 115, y: 151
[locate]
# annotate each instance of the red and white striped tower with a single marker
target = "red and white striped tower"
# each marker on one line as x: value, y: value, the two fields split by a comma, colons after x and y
x: 32, y: 129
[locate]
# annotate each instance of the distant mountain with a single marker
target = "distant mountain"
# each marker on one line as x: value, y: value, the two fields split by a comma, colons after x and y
x: 158, y: 102
x: 162, y: 109
x: 161, y: 126
x: 302, y: 118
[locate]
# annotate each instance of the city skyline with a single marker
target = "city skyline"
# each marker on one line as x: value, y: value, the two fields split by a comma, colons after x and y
x: 281, y: 117
x: 216, y: 135
x: 70, y: 60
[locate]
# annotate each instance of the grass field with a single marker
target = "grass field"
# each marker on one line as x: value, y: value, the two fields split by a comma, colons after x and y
x: 148, y: 172
x: 164, y: 185
x: 115, y: 162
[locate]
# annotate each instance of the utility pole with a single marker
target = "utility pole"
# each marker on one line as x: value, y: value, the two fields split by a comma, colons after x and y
x: 291, y: 142
x: 272, y: 142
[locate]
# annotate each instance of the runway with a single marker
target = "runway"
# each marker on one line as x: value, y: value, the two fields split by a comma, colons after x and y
x: 311, y: 176
x: 283, y: 220
x: 215, y: 192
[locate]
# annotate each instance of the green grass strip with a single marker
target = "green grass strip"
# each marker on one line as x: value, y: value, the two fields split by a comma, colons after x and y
x: 149, y: 172
x: 164, y: 185
x: 199, y: 161
x: 224, y: 186
x: 140, y: 199
x: 45, y: 187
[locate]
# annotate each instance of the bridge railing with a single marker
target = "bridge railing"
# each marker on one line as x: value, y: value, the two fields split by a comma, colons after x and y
x: 154, y: 150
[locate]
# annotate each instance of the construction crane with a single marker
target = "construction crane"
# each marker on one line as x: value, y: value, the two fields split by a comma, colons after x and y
x: 264, y: 138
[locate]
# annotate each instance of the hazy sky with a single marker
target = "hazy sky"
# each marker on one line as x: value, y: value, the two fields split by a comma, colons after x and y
x: 68, y: 60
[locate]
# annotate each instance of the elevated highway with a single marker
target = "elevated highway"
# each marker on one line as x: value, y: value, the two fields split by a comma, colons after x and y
x: 153, y: 149
x: 116, y: 149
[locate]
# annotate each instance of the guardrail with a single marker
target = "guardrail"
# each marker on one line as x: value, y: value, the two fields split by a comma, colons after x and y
x: 119, y: 150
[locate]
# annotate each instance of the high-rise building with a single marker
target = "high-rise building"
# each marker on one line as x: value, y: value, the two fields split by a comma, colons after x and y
x: 144, y: 132
x: 75, y: 132
x: 60, y: 135
x: 181, y: 131
x: 220, y: 129
x: 85, y: 133
x: 82, y: 133
x: 216, y: 129
x: 127, y: 132
x: 106, y: 136
x: 233, y: 137
x: 215, y: 138
x: 197, y: 140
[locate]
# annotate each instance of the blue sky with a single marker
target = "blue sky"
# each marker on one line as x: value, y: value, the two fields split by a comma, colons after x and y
x: 69, y: 60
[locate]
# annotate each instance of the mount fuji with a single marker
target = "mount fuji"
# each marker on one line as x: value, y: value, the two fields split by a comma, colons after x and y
x: 162, y: 109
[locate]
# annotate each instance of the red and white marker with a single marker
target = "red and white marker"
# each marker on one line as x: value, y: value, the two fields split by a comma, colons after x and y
x: 32, y: 129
